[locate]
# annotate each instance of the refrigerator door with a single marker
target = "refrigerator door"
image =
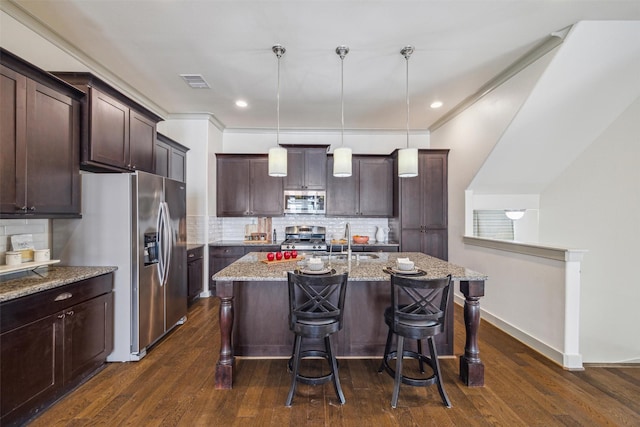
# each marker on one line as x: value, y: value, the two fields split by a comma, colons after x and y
x: 176, y: 282
x: 148, y: 295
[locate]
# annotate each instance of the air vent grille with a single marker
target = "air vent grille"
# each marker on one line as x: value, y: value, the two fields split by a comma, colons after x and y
x: 196, y: 81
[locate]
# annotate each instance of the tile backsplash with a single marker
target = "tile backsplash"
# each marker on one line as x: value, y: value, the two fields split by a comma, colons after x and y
x: 39, y: 228
x: 233, y: 228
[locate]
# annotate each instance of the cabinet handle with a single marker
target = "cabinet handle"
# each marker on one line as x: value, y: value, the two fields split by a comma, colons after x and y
x: 191, y: 255
x: 32, y: 208
x: 23, y: 208
x: 70, y: 313
x: 61, y: 316
x: 63, y: 296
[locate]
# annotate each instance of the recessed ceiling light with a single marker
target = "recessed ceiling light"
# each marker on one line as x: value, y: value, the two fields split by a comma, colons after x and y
x: 242, y: 104
x: 196, y: 81
x: 436, y: 104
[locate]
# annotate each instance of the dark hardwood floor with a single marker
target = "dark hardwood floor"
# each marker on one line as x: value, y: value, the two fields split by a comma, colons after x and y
x: 173, y: 385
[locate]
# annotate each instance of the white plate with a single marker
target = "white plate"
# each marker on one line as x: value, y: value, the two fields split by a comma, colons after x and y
x: 307, y: 271
x: 397, y: 271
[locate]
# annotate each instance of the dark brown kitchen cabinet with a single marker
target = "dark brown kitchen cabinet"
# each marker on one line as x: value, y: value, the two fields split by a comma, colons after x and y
x: 422, y: 206
x: 306, y: 168
x: 220, y: 257
x: 39, y: 142
x: 118, y: 133
x: 195, y: 270
x: 50, y: 342
x: 171, y: 158
x: 367, y: 192
x: 244, y: 187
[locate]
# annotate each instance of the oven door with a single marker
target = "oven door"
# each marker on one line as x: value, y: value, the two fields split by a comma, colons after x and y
x: 304, y: 202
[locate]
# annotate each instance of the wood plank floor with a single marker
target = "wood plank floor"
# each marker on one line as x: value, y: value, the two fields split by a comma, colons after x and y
x: 173, y: 386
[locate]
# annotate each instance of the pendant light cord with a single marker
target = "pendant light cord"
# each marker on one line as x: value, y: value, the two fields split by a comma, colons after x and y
x: 406, y: 52
x: 342, y: 52
x: 279, y: 50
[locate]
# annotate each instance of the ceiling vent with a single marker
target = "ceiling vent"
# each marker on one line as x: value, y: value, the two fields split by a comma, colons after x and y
x: 196, y: 81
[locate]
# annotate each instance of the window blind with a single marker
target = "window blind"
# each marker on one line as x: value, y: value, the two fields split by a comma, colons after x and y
x: 492, y: 224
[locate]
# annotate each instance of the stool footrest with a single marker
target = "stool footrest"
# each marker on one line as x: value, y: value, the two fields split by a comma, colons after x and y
x: 419, y: 382
x: 322, y: 379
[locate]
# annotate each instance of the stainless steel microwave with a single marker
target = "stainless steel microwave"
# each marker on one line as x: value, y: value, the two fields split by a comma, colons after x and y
x: 304, y: 202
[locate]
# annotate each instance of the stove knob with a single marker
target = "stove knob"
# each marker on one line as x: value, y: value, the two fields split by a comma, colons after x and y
x: 292, y: 246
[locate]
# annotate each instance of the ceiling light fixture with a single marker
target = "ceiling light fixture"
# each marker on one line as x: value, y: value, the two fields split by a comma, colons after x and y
x: 278, y: 155
x: 342, y: 154
x: 242, y: 104
x: 436, y: 104
x: 407, y: 157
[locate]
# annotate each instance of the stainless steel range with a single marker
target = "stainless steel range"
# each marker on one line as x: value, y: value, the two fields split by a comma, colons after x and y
x: 304, y: 238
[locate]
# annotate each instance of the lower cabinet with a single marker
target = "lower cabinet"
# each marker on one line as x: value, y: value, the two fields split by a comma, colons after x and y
x: 50, y: 342
x: 222, y: 256
x: 195, y: 269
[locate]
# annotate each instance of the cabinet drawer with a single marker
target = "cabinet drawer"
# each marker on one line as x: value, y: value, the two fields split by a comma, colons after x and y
x: 226, y: 251
x: 27, y: 309
x: 195, y: 253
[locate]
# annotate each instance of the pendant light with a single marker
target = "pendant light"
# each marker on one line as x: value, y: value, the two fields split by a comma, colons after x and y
x: 342, y: 154
x: 278, y: 154
x: 407, y: 157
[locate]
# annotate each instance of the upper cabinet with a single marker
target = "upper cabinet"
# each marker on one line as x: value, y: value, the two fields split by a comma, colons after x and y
x: 171, y: 158
x: 118, y: 133
x: 306, y: 168
x: 367, y: 192
x: 244, y: 186
x: 39, y: 142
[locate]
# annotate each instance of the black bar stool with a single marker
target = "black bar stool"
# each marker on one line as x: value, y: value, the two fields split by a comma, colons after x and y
x: 418, y: 310
x: 316, y: 306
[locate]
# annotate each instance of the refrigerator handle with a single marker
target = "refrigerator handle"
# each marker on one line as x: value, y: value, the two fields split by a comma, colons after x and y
x: 167, y: 241
x: 160, y: 242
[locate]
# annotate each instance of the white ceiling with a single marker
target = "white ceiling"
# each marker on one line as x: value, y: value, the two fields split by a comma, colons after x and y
x: 145, y: 44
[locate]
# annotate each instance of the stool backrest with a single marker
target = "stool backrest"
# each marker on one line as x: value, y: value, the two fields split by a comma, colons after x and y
x: 420, y: 302
x: 316, y: 298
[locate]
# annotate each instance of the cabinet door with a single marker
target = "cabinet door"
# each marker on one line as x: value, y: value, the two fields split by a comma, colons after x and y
x: 109, y: 135
x: 195, y: 269
x: 267, y: 196
x: 342, y: 192
x: 232, y: 186
x: 88, y: 336
x: 142, y: 141
x: 435, y: 243
x: 220, y: 257
x: 13, y: 109
x: 178, y: 165
x: 315, y: 169
x: 295, y: 179
x: 433, y: 173
x: 376, y: 187
x: 31, y: 371
x: 163, y: 158
x: 53, y: 174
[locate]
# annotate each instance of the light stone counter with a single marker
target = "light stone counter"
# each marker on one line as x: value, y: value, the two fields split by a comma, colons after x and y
x: 17, y: 285
x: 252, y: 268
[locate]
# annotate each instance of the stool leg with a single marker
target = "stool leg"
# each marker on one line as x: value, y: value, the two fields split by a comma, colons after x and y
x: 334, y: 370
x: 436, y: 369
x: 387, y: 349
x: 296, y: 368
x: 420, y: 359
x: 398, y: 378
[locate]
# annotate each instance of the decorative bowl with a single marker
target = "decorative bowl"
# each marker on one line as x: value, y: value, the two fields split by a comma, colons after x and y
x: 360, y: 239
x: 315, y: 265
x: 404, y: 264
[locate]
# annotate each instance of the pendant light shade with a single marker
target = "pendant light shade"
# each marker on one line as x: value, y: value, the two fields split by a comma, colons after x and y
x: 342, y: 155
x: 407, y: 157
x: 408, y: 162
x: 278, y: 155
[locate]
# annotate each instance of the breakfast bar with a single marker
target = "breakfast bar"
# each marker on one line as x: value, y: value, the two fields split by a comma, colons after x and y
x: 254, y: 308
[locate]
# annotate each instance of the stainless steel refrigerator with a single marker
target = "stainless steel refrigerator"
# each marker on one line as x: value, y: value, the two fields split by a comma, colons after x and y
x: 136, y: 222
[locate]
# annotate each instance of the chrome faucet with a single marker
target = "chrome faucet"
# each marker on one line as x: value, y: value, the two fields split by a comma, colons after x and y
x: 347, y: 235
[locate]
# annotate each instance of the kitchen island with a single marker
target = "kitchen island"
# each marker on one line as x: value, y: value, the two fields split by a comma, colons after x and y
x: 254, y: 309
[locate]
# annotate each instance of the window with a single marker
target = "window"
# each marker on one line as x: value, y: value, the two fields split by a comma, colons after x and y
x: 492, y: 224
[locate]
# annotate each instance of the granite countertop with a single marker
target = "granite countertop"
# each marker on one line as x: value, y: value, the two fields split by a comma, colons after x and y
x: 24, y: 283
x: 251, y: 268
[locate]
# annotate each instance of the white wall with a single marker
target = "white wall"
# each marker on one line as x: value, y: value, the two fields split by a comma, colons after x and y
x: 594, y: 204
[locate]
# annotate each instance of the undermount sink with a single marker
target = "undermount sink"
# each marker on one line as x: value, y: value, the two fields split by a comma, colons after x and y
x: 354, y: 256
